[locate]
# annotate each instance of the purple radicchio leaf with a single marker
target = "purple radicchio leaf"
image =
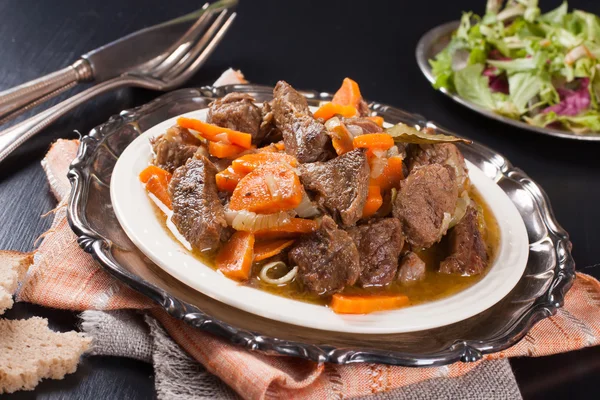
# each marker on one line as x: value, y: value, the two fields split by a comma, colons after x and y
x: 572, y: 102
x: 497, y: 82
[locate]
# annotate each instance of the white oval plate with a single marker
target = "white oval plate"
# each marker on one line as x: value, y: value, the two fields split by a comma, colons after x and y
x: 135, y: 212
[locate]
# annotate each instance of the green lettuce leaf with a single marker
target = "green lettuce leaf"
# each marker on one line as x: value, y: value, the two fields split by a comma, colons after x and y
x: 474, y: 87
x: 441, y: 67
x: 591, y: 24
x: 523, y: 87
x: 583, y: 123
x: 519, y: 64
x: 595, y: 88
x: 589, y: 122
x: 478, y: 55
x: 556, y: 16
x: 493, y: 6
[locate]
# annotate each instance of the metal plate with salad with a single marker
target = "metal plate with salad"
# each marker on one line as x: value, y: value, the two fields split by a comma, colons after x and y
x: 538, y: 71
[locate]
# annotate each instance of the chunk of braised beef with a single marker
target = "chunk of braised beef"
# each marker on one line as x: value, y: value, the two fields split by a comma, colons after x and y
x: 425, y: 203
x: 361, y: 125
x: 327, y: 260
x: 174, y: 148
x: 198, y: 212
x: 379, y: 244
x: 303, y: 136
x: 363, y: 108
x: 441, y: 153
x: 236, y: 111
x: 412, y: 269
x: 468, y: 253
x: 341, y: 184
x: 268, y: 131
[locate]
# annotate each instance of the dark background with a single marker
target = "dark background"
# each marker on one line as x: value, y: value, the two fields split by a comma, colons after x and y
x: 312, y: 45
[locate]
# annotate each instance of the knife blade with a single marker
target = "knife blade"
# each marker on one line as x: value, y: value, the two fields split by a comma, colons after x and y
x: 123, y: 54
x: 98, y: 65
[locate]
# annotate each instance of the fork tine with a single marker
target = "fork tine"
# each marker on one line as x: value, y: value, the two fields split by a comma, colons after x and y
x: 180, y: 48
x: 200, y: 52
x: 190, y: 34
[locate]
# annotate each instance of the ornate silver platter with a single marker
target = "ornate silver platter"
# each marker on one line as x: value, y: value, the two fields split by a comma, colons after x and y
x: 435, y: 41
x: 548, y: 276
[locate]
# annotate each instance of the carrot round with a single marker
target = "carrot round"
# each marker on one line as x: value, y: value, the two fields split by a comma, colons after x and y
x: 159, y: 187
x: 374, y: 141
x: 377, y: 119
x: 295, y: 228
x: 329, y: 110
x: 211, y: 132
x: 348, y: 94
x: 344, y: 304
x: 268, y: 189
x: 224, y: 150
x: 340, y: 137
x: 374, y: 201
x: 234, y: 259
x: 228, y: 179
x: 152, y: 170
x: 249, y: 162
x: 392, y: 174
x: 269, y: 249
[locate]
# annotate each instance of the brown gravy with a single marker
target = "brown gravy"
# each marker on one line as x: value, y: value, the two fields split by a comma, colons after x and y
x: 435, y: 285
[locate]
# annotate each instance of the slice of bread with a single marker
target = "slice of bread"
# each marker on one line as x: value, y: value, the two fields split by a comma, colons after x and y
x: 30, y: 352
x: 13, y: 266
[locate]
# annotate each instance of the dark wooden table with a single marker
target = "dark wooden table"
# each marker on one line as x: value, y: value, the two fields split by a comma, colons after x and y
x: 311, y: 44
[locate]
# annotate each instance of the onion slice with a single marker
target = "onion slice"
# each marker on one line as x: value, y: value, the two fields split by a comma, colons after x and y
x: 248, y: 221
x: 306, y: 208
x: 354, y: 130
x: 287, y: 278
x: 222, y: 137
x: 170, y: 225
x: 378, y: 163
x: 272, y: 186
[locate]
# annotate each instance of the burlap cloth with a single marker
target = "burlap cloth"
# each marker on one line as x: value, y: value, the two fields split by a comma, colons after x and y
x: 178, y: 376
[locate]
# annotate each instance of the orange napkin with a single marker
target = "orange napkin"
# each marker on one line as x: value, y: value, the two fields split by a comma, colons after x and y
x: 63, y: 276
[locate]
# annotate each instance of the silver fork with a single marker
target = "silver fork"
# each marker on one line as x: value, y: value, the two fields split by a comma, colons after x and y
x: 165, y: 72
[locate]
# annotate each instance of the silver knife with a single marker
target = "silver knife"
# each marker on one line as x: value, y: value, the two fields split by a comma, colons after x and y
x: 98, y: 65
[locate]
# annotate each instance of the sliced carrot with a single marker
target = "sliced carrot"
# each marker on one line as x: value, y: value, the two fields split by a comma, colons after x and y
x: 159, y: 187
x: 340, y: 137
x: 268, y: 189
x: 269, y: 249
x: 249, y: 162
x: 374, y: 201
x: 273, y: 148
x: 234, y: 259
x: 373, y: 141
x: 295, y: 228
x: 344, y: 304
x: 228, y: 179
x: 348, y: 94
x: 329, y: 110
x: 151, y: 170
x: 391, y: 176
x: 224, y: 150
x: 377, y: 119
x: 212, y: 132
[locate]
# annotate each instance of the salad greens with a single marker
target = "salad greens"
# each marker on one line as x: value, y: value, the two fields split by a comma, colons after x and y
x: 514, y: 60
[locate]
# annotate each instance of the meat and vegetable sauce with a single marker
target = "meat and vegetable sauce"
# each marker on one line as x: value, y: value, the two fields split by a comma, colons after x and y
x: 327, y: 207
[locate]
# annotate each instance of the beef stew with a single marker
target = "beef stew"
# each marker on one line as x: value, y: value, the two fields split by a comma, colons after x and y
x: 373, y: 224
